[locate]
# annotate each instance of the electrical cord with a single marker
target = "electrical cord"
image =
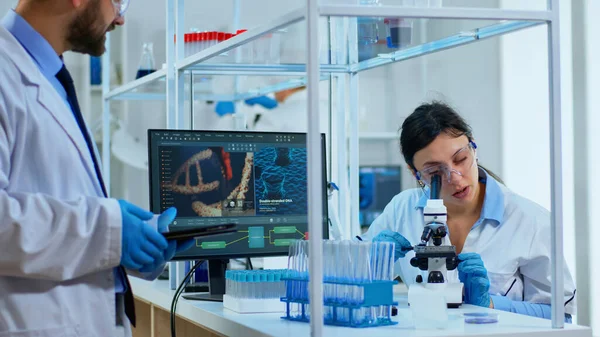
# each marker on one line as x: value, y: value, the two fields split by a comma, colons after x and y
x: 178, y: 293
x: 249, y: 264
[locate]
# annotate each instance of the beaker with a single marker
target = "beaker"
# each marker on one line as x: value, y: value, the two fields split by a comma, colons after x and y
x: 146, y: 65
x: 398, y: 32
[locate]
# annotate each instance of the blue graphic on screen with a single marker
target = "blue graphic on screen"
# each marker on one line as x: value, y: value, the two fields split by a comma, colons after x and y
x: 280, y: 181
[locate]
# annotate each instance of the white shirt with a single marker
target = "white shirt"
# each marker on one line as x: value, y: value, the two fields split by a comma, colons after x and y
x: 512, y: 236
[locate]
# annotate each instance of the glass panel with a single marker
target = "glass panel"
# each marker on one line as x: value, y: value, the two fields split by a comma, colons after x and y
x: 286, y: 45
x: 233, y: 88
x: 505, y: 4
x: 284, y: 49
x: 378, y: 36
x: 149, y: 87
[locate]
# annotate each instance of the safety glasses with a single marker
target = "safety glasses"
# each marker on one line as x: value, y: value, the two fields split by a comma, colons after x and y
x: 121, y: 6
x: 462, y: 162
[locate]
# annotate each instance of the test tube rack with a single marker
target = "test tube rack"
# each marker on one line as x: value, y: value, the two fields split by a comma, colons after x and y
x: 376, y: 297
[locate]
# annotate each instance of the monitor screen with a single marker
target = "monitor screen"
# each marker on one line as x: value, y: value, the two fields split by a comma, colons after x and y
x: 255, y: 180
x: 377, y: 186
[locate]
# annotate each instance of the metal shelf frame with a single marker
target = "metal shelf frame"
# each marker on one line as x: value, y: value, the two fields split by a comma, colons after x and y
x: 346, y: 77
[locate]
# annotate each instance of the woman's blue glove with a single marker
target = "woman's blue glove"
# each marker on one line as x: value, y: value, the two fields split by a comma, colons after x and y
x: 164, y: 220
x: 264, y: 101
x: 473, y: 274
x: 141, y: 244
x: 401, y: 247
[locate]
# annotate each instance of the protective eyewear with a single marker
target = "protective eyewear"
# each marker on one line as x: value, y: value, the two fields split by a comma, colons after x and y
x: 121, y: 6
x: 462, y: 162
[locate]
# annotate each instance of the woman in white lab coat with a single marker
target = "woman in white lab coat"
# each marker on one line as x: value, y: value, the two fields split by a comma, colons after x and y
x: 503, y: 239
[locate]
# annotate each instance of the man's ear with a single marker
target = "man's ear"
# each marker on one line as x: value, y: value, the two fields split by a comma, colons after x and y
x: 77, y: 3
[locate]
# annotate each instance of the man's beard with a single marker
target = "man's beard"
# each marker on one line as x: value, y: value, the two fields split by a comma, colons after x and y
x: 86, y: 32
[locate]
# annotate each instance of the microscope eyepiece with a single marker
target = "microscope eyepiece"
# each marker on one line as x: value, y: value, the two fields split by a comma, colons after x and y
x: 436, y: 186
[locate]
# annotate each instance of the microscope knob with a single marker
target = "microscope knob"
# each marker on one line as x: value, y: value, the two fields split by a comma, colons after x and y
x: 414, y: 262
x: 419, y: 279
x: 451, y: 263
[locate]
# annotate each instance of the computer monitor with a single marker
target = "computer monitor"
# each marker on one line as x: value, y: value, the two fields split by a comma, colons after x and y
x: 377, y: 186
x: 257, y: 180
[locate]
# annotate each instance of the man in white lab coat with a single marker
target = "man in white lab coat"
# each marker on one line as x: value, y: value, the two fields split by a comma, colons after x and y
x: 65, y: 245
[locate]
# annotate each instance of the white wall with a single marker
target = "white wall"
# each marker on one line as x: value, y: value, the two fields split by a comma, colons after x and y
x: 6, y: 5
x: 525, y: 118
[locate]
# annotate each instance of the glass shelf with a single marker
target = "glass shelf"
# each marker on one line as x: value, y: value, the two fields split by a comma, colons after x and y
x: 384, y: 35
x: 475, y: 4
x: 149, y: 87
x: 210, y: 87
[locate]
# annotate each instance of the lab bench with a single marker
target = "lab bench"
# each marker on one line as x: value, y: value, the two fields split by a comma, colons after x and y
x: 200, y: 319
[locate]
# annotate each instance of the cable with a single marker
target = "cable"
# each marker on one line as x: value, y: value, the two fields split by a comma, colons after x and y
x: 178, y: 293
x: 249, y: 264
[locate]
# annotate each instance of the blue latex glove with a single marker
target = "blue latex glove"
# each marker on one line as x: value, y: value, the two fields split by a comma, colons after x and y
x: 264, y: 101
x: 402, y: 245
x: 164, y: 220
x: 141, y: 244
x: 473, y: 274
x: 224, y: 108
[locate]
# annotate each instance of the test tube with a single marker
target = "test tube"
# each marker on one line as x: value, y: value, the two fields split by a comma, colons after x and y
x: 346, y: 254
x: 388, y: 272
x: 213, y: 38
x: 186, y: 45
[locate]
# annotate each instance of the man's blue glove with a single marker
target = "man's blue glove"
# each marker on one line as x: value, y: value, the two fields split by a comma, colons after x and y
x: 141, y: 244
x: 174, y: 246
x: 473, y: 274
x: 401, y: 247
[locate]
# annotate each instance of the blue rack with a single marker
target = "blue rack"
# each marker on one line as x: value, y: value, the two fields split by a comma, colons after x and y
x: 377, y: 294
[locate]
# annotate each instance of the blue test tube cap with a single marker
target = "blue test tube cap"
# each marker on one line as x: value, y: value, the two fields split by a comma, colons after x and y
x: 271, y: 277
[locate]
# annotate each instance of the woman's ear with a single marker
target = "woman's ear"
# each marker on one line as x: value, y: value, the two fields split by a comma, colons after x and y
x: 414, y: 174
x: 412, y: 171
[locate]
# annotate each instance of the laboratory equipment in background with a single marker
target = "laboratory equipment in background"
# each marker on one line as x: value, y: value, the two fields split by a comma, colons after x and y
x: 368, y: 31
x: 266, y: 49
x: 147, y: 65
x: 399, y: 32
x: 357, y: 283
x: 434, y: 257
x: 256, y: 180
x: 254, y: 291
x: 378, y: 185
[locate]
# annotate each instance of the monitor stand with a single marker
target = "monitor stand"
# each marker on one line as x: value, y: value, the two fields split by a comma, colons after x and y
x: 216, y: 282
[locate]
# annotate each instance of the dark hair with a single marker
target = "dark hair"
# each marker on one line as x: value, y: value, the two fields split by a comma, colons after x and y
x: 427, y: 122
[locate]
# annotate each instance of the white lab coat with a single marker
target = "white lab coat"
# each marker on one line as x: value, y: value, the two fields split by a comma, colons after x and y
x: 60, y: 238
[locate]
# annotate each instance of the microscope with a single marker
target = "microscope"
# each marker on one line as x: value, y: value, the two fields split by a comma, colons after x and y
x: 432, y: 256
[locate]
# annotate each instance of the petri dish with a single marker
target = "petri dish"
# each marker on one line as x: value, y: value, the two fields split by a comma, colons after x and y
x: 480, y: 317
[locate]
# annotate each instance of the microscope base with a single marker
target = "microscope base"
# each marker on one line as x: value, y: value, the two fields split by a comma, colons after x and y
x: 451, y: 292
